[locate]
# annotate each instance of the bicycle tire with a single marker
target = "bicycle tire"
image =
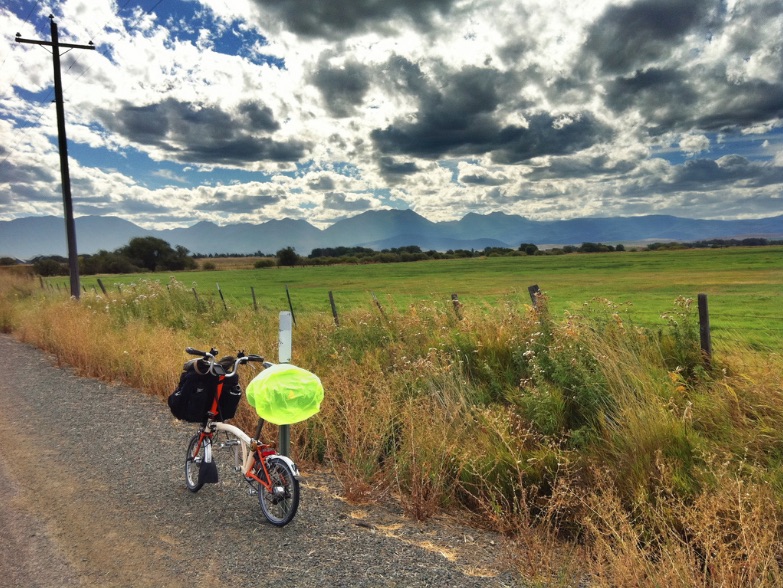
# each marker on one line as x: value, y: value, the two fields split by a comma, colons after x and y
x: 280, y: 505
x: 193, y: 459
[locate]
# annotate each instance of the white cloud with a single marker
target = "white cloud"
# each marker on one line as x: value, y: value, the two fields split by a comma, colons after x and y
x: 692, y: 144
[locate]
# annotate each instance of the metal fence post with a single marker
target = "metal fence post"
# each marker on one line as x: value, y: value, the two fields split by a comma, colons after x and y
x: 705, y: 335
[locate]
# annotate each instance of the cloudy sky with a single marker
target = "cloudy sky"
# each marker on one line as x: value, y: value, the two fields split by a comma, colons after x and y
x: 250, y: 110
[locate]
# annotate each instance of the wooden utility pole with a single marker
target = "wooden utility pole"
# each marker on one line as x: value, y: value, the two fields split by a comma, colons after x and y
x: 70, y: 227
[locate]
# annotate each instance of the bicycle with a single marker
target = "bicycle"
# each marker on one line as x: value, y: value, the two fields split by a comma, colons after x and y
x: 274, y: 478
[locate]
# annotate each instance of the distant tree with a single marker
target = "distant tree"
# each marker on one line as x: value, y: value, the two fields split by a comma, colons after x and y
x: 620, y: 247
x: 529, y: 248
x: 156, y: 254
x: 50, y: 266
x: 7, y: 261
x: 287, y: 257
x: 105, y: 262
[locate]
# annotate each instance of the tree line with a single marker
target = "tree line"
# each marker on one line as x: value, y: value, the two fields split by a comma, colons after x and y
x: 150, y: 254
x: 335, y: 255
x: 141, y: 254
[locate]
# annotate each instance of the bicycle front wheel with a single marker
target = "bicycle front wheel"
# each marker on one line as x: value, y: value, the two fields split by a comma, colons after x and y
x: 193, y: 459
x: 279, y: 504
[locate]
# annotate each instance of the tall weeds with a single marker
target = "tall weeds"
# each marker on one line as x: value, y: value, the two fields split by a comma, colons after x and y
x: 587, y: 432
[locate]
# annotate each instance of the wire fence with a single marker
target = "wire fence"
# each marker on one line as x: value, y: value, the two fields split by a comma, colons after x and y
x: 761, y: 330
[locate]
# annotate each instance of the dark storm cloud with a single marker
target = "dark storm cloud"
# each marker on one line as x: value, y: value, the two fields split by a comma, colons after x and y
x: 450, y: 136
x: 700, y: 174
x: 578, y: 167
x: 402, y: 75
x: 338, y: 19
x: 39, y: 192
x: 632, y: 43
x: 546, y: 135
x: 457, y: 117
x: 672, y: 100
x: 343, y: 88
x: 202, y: 135
x: 482, y: 180
x: 394, y: 171
x: 665, y: 97
x: 339, y: 201
x: 741, y: 105
x: 259, y: 117
x: 323, y: 183
x: 626, y: 38
x: 17, y: 175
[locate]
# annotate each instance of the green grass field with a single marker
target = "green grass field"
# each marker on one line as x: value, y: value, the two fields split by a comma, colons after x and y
x: 744, y: 285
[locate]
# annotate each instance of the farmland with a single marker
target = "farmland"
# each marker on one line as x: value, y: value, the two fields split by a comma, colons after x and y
x: 744, y: 285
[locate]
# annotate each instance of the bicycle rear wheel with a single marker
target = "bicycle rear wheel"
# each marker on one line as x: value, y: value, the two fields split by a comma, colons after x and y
x: 281, y: 503
x: 193, y: 460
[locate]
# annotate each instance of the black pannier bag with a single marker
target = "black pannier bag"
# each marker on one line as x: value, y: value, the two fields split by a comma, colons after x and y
x: 229, y: 398
x: 195, y: 395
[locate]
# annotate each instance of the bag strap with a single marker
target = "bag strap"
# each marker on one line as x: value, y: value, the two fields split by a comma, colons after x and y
x: 214, y: 409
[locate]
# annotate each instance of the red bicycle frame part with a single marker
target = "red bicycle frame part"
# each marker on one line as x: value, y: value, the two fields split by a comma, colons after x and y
x: 203, y: 435
x: 260, y: 453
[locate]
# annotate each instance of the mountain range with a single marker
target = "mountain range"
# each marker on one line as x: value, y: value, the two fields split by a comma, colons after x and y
x: 24, y: 238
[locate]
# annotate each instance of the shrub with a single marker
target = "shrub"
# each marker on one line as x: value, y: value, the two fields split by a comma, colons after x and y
x: 265, y: 262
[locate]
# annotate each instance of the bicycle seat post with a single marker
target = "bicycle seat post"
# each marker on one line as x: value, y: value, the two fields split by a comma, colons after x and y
x: 259, y: 426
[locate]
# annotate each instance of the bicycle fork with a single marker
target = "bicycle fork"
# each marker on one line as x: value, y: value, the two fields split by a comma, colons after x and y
x: 207, y: 470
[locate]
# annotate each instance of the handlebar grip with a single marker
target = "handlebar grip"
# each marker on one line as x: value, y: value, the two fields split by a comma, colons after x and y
x: 253, y: 357
x: 191, y: 351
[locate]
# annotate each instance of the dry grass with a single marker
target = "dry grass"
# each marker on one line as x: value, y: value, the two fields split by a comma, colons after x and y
x: 229, y: 263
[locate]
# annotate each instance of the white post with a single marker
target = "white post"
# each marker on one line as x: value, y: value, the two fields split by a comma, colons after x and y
x: 285, y: 335
x: 284, y: 339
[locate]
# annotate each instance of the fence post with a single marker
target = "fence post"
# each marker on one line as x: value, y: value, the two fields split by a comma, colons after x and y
x: 378, y: 304
x: 285, y: 334
x: 457, y: 305
x: 253, y: 293
x: 334, y: 309
x: 198, y: 302
x: 221, y: 296
x: 290, y: 306
x: 534, y: 292
x: 103, y: 288
x: 705, y: 336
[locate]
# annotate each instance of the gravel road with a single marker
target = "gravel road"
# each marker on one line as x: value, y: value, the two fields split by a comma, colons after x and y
x: 92, y: 493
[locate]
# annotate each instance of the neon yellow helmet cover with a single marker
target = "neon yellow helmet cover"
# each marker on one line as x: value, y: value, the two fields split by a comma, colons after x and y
x: 285, y: 394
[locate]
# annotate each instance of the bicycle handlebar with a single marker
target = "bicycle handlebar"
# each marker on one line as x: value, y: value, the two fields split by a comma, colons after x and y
x: 209, y: 357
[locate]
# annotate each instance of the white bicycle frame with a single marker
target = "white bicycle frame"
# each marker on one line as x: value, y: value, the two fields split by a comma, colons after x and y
x: 247, y: 454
